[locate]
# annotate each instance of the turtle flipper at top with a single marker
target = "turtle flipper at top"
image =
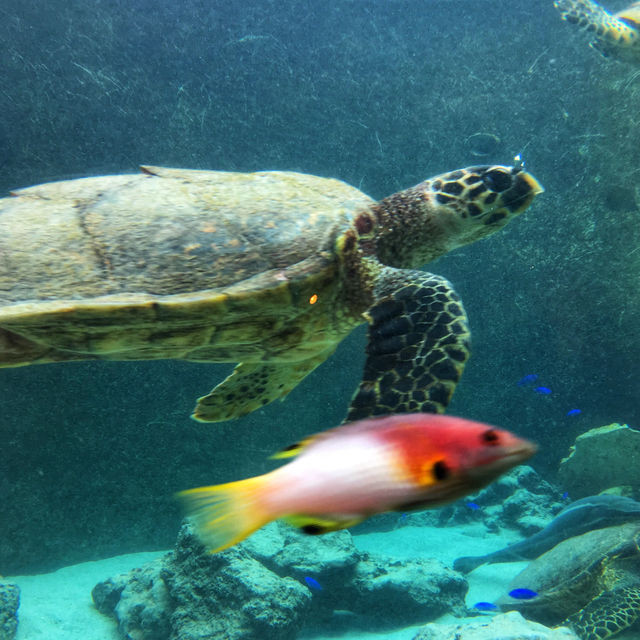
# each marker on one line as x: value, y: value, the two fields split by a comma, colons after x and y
x: 616, y: 35
x: 417, y: 347
x: 608, y: 614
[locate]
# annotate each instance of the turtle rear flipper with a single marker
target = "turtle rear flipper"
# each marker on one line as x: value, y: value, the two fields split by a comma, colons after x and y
x: 608, y: 614
x: 417, y: 346
x: 253, y: 385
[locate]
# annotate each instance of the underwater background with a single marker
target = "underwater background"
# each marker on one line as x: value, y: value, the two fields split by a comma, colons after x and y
x: 381, y: 95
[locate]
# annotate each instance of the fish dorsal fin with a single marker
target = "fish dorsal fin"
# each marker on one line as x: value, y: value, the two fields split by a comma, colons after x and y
x: 293, y: 449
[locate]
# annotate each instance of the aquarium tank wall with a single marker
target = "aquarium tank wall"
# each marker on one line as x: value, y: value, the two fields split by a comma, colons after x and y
x: 380, y: 95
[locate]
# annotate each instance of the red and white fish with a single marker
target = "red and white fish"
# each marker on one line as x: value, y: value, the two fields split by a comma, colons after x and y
x: 342, y: 476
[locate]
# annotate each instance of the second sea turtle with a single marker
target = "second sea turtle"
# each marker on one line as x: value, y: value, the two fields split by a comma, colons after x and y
x: 590, y: 583
x: 616, y: 35
x: 269, y: 269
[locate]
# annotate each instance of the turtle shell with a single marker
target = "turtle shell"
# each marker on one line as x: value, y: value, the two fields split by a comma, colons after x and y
x: 570, y: 575
x: 172, y: 263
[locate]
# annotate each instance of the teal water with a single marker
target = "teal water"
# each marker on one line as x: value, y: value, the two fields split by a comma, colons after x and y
x: 380, y: 95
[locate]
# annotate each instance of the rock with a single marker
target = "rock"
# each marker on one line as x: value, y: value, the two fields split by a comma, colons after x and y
x: 143, y: 608
x: 9, y: 603
x: 594, y: 462
x: 625, y: 491
x: 331, y: 560
x: 520, y: 499
x: 231, y: 594
x: 257, y: 589
x: 505, y: 626
x: 106, y: 595
x: 190, y: 594
x: 403, y: 592
x: 527, y: 512
x: 288, y: 552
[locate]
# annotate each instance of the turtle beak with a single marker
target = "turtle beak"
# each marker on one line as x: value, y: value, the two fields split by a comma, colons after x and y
x: 524, y: 189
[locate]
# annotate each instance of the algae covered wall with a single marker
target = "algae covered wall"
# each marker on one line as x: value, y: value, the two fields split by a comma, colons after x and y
x: 380, y: 95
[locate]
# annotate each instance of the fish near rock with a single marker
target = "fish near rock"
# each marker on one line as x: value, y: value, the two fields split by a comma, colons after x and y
x: 345, y: 475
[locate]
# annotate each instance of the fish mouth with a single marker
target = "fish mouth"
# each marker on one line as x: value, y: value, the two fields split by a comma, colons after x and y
x: 525, y: 451
x: 515, y: 456
x: 485, y: 473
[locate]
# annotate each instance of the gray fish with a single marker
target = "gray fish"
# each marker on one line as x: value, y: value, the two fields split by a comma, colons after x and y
x: 587, y: 514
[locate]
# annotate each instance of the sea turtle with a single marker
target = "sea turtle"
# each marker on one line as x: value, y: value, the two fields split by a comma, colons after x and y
x: 616, y: 35
x: 590, y: 583
x: 270, y: 269
x: 587, y: 514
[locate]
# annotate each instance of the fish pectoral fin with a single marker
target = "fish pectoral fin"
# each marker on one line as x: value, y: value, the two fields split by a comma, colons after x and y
x: 315, y: 526
x: 292, y: 450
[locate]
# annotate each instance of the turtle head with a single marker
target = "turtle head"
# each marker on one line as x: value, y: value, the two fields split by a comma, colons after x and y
x: 417, y: 225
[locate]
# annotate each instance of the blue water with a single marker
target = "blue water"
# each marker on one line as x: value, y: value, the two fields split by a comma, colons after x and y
x: 380, y: 95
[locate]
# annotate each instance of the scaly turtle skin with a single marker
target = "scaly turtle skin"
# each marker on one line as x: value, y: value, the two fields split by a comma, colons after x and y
x: 590, y: 583
x: 616, y: 35
x: 269, y: 269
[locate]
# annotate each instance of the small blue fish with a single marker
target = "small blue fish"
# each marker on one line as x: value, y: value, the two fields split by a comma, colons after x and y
x: 473, y: 506
x: 312, y: 583
x: 522, y: 594
x: 574, y: 412
x: 528, y: 379
x: 485, y: 606
x: 565, y: 495
x: 545, y: 391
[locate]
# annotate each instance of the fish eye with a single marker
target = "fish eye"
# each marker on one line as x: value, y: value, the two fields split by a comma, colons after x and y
x: 497, y: 180
x: 490, y: 436
x: 441, y: 470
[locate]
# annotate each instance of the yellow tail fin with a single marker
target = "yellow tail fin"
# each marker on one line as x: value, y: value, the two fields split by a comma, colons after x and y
x: 225, y: 514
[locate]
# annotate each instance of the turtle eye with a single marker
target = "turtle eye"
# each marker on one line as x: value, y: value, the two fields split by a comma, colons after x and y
x: 497, y: 180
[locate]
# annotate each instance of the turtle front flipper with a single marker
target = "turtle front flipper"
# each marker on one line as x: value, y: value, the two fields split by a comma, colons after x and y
x: 253, y: 385
x: 608, y: 614
x: 613, y: 34
x: 417, y: 348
